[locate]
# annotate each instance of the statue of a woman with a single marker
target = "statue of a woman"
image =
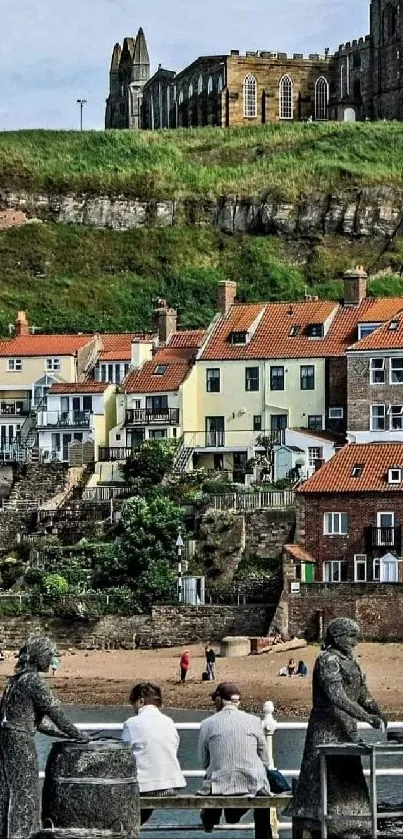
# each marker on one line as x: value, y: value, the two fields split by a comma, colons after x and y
x: 340, y: 699
x: 26, y: 702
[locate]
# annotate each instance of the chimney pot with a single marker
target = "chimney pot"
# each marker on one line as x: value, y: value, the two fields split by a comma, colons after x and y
x: 355, y: 286
x: 165, y: 321
x: 226, y: 296
x: 21, y: 324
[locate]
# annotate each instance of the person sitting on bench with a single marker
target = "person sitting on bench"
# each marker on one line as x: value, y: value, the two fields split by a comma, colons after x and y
x: 154, y: 741
x: 233, y: 752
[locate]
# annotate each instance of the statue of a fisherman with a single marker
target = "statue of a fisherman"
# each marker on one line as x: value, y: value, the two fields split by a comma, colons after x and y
x: 27, y: 706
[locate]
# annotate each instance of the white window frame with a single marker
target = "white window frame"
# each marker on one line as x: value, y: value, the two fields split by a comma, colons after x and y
x: 393, y: 412
x: 333, y: 526
x: 52, y: 365
x: 395, y: 475
x: 392, y: 370
x: 321, y: 99
x: 286, y: 97
x: 360, y: 559
x: 14, y: 365
x: 385, y: 513
x: 365, y: 329
x: 330, y: 565
x: 336, y: 413
x: 374, y: 369
x: 314, y: 453
x: 371, y: 420
x: 250, y: 97
x: 376, y: 569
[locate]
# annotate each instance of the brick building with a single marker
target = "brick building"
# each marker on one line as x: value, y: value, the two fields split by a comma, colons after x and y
x: 350, y: 514
x: 361, y: 80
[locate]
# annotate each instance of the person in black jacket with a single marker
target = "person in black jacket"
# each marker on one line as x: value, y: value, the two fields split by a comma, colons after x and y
x: 210, y: 662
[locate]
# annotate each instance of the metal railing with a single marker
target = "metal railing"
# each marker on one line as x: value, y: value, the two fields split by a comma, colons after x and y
x: 113, y: 453
x: 16, y: 407
x: 146, y: 416
x: 253, y: 500
x: 64, y: 419
x: 106, y: 493
x: 384, y: 537
x: 386, y: 772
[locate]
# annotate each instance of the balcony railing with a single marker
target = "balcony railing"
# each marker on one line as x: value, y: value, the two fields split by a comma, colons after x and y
x: 17, y: 407
x: 384, y: 537
x: 64, y: 419
x: 106, y: 453
x: 144, y: 416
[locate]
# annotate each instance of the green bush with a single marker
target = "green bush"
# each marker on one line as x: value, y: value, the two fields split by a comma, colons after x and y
x: 54, y: 585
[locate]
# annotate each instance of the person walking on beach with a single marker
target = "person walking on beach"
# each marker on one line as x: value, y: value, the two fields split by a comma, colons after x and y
x: 210, y: 662
x: 155, y: 742
x: 233, y: 752
x: 184, y: 665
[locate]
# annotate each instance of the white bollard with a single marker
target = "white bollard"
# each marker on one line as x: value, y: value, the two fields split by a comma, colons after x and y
x: 269, y: 726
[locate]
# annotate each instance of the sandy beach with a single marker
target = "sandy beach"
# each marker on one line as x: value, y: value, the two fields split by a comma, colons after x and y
x: 105, y: 678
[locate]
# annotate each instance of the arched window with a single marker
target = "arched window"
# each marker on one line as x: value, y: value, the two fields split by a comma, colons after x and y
x: 190, y: 93
x: 285, y: 95
x: 181, y: 98
x: 250, y: 97
x: 321, y: 98
x: 210, y: 85
x: 220, y: 85
x: 200, y: 85
x: 174, y: 92
x: 389, y: 22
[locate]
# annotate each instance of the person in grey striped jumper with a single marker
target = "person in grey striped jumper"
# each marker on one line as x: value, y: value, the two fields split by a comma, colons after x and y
x: 233, y: 752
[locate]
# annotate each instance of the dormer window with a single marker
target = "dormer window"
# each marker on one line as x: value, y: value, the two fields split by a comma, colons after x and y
x: 160, y: 369
x: 365, y: 329
x: 395, y: 475
x: 393, y: 326
x: 238, y: 337
x: 357, y: 470
x: 295, y: 330
x: 315, y: 330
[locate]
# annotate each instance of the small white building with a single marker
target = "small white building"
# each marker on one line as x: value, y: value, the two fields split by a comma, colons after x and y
x: 82, y: 412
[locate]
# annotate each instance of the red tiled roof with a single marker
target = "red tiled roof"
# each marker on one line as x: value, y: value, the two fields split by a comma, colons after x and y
x: 117, y: 346
x: 375, y: 460
x: 47, y: 345
x: 300, y: 554
x: 145, y: 380
x: 79, y: 387
x: 385, y: 337
x: 331, y: 436
x: 272, y: 338
x: 187, y: 338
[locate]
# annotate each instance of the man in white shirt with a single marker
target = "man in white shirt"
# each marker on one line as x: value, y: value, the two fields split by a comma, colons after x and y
x: 155, y: 742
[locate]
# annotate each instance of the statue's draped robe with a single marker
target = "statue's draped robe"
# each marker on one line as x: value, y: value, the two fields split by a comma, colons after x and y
x: 26, y: 701
x: 340, y: 698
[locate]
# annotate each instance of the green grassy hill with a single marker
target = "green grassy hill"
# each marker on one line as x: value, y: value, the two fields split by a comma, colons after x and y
x: 74, y: 278
x: 282, y: 159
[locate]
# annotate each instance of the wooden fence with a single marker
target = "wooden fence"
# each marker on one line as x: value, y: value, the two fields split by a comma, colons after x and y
x: 253, y: 500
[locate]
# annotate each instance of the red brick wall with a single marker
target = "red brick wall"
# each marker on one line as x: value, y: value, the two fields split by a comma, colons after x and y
x: 378, y: 609
x: 361, y: 510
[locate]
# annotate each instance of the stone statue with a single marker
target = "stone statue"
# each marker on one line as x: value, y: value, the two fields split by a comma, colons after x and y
x: 25, y: 704
x: 340, y: 699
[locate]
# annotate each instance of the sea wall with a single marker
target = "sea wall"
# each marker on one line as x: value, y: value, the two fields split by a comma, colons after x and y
x: 371, y: 211
x: 166, y: 626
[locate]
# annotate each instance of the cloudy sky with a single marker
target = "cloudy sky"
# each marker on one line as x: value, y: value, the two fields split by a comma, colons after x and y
x: 55, y: 51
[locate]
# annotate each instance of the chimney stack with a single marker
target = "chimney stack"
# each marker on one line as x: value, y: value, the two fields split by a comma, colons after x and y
x: 21, y: 324
x: 226, y: 296
x: 165, y: 319
x: 355, y: 286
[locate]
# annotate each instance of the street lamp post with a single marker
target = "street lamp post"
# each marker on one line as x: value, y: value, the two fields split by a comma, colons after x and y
x: 81, y: 103
x: 179, y: 546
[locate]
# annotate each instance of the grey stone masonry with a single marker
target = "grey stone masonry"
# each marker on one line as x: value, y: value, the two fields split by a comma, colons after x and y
x: 362, y: 393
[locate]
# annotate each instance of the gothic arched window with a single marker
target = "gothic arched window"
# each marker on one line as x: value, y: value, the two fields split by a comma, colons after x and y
x: 190, y: 93
x: 321, y: 98
x: 389, y: 22
x: 250, y: 97
x: 181, y: 97
x: 210, y: 85
x: 285, y: 96
x: 220, y: 84
x: 200, y: 85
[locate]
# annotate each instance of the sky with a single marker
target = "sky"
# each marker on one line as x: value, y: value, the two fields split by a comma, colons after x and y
x: 53, y: 52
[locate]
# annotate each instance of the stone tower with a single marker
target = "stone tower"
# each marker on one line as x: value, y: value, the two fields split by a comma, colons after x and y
x: 387, y: 58
x: 129, y: 72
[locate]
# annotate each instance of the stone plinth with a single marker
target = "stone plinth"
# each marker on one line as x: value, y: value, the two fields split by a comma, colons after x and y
x: 92, y: 787
x: 234, y: 646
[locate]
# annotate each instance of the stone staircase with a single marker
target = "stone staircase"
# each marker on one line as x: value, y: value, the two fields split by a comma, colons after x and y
x: 183, y: 456
x: 38, y: 483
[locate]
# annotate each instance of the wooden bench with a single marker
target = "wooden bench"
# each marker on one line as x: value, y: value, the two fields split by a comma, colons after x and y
x: 261, y: 806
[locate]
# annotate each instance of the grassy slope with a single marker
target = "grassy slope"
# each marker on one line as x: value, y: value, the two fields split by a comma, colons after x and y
x: 75, y: 278
x: 284, y: 159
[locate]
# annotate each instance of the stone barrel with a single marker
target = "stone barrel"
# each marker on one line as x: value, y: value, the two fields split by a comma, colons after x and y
x: 90, y: 788
x: 234, y: 646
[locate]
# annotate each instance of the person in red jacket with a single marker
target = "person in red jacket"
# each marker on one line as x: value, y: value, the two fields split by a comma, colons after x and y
x: 184, y: 665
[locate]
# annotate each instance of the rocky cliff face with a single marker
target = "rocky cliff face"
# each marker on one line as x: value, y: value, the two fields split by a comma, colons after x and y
x: 374, y: 211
